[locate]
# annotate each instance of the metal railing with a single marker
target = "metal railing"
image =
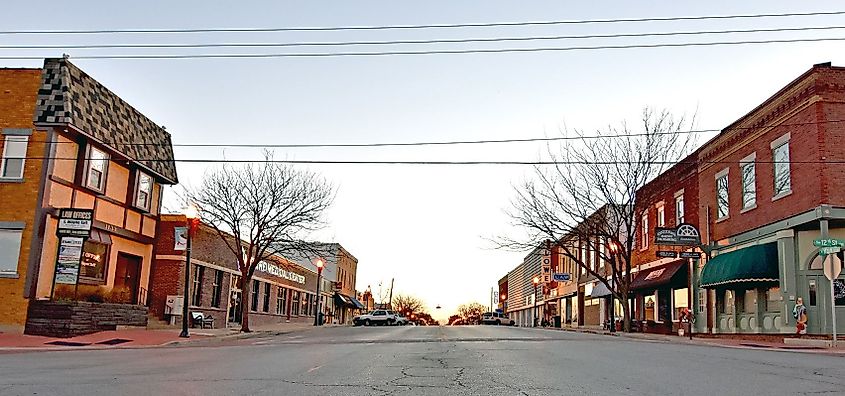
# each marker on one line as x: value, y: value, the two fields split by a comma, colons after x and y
x: 142, y: 297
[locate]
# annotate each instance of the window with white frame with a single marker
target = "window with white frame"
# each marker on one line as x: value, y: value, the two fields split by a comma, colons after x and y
x: 722, y: 203
x: 14, y: 156
x: 679, y: 209
x: 680, y: 301
x: 96, y: 169
x: 749, y: 183
x: 10, y: 248
x: 644, y: 231
x: 661, y: 215
x: 143, y: 191
x: 650, y: 307
x: 782, y: 178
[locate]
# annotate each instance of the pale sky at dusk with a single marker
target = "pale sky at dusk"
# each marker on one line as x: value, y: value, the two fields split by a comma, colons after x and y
x: 424, y: 225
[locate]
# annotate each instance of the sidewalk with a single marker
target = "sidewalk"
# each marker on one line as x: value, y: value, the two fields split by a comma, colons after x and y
x: 139, y: 338
x: 715, y: 341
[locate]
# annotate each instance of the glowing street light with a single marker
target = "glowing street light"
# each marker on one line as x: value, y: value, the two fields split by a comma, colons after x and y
x: 319, y: 264
x: 192, y: 221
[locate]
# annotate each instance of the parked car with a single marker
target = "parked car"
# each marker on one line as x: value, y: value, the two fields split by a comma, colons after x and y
x: 378, y: 317
x: 496, y: 318
x: 402, y: 321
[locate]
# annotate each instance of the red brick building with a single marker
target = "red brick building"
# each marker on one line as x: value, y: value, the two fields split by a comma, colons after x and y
x: 769, y: 184
x: 660, y: 286
x: 281, y: 291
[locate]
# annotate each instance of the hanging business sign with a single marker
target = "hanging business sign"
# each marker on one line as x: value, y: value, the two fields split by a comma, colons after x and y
x: 546, y: 266
x: 562, y: 277
x: 666, y: 254
x: 683, y: 235
x: 691, y: 255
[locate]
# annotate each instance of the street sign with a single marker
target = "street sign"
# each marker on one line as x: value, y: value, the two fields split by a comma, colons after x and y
x: 829, y: 250
x: 691, y: 255
x: 832, y: 267
x: 666, y: 254
x: 562, y: 277
x: 828, y: 242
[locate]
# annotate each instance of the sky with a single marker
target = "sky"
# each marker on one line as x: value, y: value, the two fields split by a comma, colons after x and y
x: 425, y: 226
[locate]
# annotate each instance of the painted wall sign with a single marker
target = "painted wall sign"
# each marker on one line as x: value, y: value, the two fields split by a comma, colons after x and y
x: 275, y: 270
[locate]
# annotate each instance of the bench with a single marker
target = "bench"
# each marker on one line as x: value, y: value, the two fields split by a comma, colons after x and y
x: 201, y: 320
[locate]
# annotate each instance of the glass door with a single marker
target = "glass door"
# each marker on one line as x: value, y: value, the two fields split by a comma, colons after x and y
x: 235, y: 303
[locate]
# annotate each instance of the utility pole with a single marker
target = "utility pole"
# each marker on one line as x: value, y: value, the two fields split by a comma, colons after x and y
x: 390, y: 299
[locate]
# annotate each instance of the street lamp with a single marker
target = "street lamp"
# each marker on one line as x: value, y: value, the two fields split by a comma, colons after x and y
x: 536, y: 282
x: 192, y: 221
x: 319, y: 265
x: 614, y: 249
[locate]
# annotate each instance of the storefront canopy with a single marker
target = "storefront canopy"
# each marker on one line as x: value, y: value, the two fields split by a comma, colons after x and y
x: 357, y: 303
x: 600, y: 290
x: 757, y: 263
x: 343, y: 299
x: 656, y: 276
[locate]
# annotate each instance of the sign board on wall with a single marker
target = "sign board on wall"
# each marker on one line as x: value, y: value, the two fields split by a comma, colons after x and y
x: 275, y: 270
x: 562, y: 277
x: 546, y: 266
x: 75, y: 222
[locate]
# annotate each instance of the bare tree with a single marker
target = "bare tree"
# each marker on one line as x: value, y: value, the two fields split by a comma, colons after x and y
x: 271, y: 207
x: 585, y: 204
x: 408, y: 304
x: 470, y: 313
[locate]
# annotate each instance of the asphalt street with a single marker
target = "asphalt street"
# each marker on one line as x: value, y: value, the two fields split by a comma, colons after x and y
x: 423, y: 361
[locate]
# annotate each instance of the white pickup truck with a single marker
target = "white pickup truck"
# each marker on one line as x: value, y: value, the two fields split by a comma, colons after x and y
x: 378, y: 317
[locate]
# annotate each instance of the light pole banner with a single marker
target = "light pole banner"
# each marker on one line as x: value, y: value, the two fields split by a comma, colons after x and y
x: 180, y: 238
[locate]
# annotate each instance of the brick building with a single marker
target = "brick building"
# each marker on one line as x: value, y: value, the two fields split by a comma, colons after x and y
x: 769, y: 184
x: 340, y: 268
x: 660, y: 286
x: 69, y: 142
x: 281, y: 291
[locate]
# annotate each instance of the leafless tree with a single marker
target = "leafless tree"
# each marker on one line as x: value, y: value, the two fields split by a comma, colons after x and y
x: 408, y: 304
x: 470, y: 313
x: 272, y: 207
x: 586, y: 201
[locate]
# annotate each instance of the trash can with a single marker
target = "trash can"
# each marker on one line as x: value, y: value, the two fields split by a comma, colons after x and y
x: 557, y: 321
x: 322, y: 319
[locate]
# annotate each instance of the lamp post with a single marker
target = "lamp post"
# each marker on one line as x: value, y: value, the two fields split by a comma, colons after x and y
x: 191, y: 220
x: 536, y: 282
x: 319, y: 265
x: 614, y: 248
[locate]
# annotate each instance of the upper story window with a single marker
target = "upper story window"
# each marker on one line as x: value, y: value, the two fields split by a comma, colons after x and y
x: 722, y: 202
x: 679, y: 207
x: 749, y: 182
x: 780, y: 157
x: 661, y: 215
x: 143, y: 191
x: 644, y: 231
x: 96, y: 169
x: 14, y: 156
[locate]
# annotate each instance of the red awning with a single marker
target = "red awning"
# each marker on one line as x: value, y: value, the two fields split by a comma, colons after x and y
x: 657, y: 276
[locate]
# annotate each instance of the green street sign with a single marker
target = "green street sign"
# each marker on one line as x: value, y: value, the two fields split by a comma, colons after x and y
x: 828, y: 242
x: 824, y: 251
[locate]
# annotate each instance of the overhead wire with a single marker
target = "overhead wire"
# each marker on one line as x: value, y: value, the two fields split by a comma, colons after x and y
x: 422, y: 26
x: 452, y: 142
x: 431, y: 52
x: 405, y: 42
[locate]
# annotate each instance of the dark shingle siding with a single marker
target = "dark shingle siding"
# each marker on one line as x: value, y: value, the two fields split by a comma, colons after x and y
x: 70, y: 96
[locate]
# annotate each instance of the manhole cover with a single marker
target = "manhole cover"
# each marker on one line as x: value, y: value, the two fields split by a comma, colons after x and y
x: 68, y: 343
x: 113, y: 341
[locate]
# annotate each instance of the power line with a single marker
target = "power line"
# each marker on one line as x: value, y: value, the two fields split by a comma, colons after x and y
x: 397, y: 42
x: 427, y: 26
x: 372, y: 162
x: 453, y: 142
x: 434, y: 52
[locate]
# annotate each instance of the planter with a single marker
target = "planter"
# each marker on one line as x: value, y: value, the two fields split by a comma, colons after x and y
x: 73, y: 318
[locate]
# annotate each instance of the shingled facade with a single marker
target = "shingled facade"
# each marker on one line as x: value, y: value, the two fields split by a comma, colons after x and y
x: 85, y: 148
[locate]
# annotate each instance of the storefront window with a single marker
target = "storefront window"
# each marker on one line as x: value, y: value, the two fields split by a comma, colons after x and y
x: 651, y: 307
x: 750, y: 301
x: 256, y: 287
x: 681, y: 302
x: 265, y: 306
x: 839, y: 291
x: 773, y: 299
x: 812, y: 291
x: 94, y: 259
x: 295, y: 304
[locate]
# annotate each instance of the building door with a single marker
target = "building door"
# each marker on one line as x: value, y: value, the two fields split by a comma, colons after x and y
x: 815, y: 303
x: 235, y: 303
x: 127, y: 277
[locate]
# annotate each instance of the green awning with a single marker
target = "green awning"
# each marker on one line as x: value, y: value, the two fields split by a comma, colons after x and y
x: 758, y: 263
